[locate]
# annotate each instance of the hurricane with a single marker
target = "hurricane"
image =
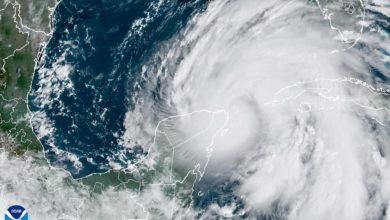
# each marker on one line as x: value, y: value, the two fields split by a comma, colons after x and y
x: 240, y: 109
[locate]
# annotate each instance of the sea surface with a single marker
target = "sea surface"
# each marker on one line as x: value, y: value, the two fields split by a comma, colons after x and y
x: 90, y: 72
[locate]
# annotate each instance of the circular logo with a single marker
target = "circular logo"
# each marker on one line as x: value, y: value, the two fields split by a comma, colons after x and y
x: 16, y: 212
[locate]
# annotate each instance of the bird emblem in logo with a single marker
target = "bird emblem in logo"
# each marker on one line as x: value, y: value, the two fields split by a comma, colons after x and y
x: 16, y: 212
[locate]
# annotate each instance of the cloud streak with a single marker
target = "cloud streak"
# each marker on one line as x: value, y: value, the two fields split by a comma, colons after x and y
x: 308, y: 117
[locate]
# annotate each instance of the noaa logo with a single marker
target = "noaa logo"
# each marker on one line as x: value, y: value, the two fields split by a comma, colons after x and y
x: 16, y: 212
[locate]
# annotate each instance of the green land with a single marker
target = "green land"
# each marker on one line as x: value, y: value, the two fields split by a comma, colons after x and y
x: 24, y: 28
x: 20, y: 41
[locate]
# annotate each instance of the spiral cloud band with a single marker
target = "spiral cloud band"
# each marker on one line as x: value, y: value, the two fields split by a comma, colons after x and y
x: 255, y: 109
x: 307, y: 128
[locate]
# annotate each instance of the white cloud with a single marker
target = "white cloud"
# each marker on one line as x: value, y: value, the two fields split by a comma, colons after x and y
x: 306, y: 127
x: 301, y: 104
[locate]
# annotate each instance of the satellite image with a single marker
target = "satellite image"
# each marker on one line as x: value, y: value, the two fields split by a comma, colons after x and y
x: 195, y: 109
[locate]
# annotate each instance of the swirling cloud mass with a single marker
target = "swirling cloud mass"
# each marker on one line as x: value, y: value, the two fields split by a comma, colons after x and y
x: 260, y: 109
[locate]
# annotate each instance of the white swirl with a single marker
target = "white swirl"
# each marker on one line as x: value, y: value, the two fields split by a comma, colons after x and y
x: 305, y: 121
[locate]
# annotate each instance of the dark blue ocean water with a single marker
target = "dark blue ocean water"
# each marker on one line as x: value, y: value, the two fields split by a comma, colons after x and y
x: 106, y: 51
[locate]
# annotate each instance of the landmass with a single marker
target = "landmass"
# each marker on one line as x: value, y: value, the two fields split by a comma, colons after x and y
x: 25, y: 28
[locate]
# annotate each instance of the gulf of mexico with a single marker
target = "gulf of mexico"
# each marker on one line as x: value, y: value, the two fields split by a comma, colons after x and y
x: 89, y: 75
